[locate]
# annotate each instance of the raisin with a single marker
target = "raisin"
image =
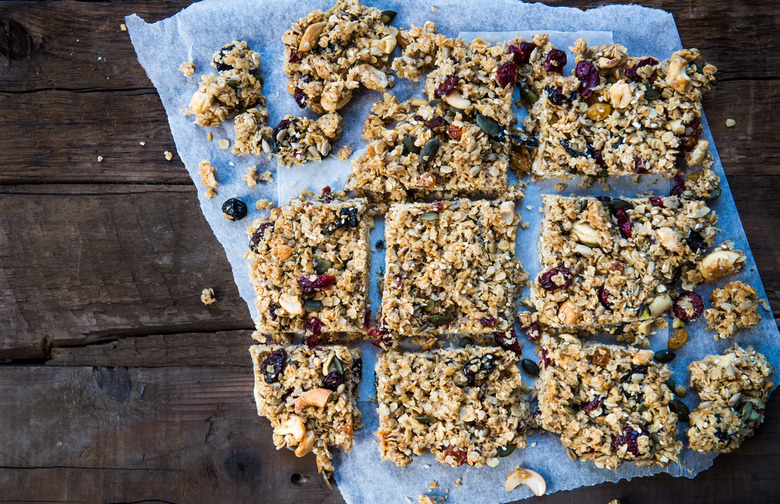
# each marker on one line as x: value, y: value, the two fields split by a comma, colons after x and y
x: 545, y: 360
x: 436, y: 123
x: 521, y: 53
x: 313, y: 331
x: 689, y: 306
x: 592, y: 405
x: 690, y: 137
x: 357, y: 368
x: 597, y: 156
x: 604, y: 298
x: 508, y: 341
x: 547, y: 282
x: 293, y: 56
x: 221, y: 67
x: 380, y: 245
x: 488, y: 321
x: 600, y: 356
x: 446, y: 87
x: 272, y: 310
x: 478, y: 368
x: 348, y: 217
x: 556, y: 96
x: 629, y: 438
x: 569, y: 150
x: 333, y: 380
x: 380, y: 337
x: 506, y: 74
x: 454, y: 132
x: 457, y: 454
x: 300, y: 97
x: 631, y: 71
x: 555, y: 61
x: 533, y: 332
x: 678, y: 339
x: 234, y: 209
x: 679, y: 186
x: 259, y: 235
x: 588, y: 76
x: 309, y: 287
x: 273, y: 365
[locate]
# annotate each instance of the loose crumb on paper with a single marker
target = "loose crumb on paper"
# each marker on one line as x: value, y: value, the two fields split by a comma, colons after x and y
x: 433, y: 9
x: 168, y: 155
x: 207, y: 296
x: 344, y: 153
x: 266, y: 176
x: 208, y: 177
x: 424, y: 499
x: 187, y: 68
x: 459, y: 482
x: 264, y: 204
x: 251, y: 176
x: 209, y: 137
x: 224, y: 143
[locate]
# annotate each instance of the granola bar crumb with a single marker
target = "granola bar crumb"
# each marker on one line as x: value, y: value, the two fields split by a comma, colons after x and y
x: 187, y: 68
x: 208, y: 177
x: 433, y: 484
x: 344, y: 153
x: 168, y: 155
x: 434, y: 9
x: 262, y: 204
x: 251, y: 176
x: 730, y: 123
x: 734, y: 307
x: 424, y: 499
x: 266, y: 177
x: 207, y: 296
x: 123, y: 27
x: 142, y: 144
x: 560, y: 187
x: 459, y: 482
x: 224, y: 143
x: 100, y: 159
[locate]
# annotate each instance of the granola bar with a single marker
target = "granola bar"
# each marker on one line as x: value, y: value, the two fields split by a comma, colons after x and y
x: 220, y: 96
x: 329, y: 54
x: 734, y: 388
x: 466, y: 406
x: 308, y: 263
x: 724, y: 260
x: 617, y: 114
x: 309, y: 397
x: 417, y: 148
x: 611, y: 261
x: 734, y: 307
x: 608, y: 403
x: 450, y: 268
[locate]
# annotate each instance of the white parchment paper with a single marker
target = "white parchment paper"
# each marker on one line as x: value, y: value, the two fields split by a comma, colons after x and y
x: 201, y: 29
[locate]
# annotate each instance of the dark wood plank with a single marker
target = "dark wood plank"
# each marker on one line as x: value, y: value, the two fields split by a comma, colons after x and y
x: 184, y: 434
x: 77, y: 268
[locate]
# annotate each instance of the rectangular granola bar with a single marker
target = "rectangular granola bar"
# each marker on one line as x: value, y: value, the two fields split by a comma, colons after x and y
x: 308, y: 263
x: 608, y: 261
x: 608, y: 403
x: 466, y: 406
x: 450, y: 268
x: 616, y: 114
x: 309, y: 397
x: 734, y: 388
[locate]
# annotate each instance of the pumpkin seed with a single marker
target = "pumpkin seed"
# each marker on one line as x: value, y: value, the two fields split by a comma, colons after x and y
x: 664, y: 356
x: 339, y: 365
x: 642, y: 408
x: 429, y: 150
x: 388, y: 16
x: 429, y: 305
x: 643, y: 312
x: 465, y: 342
x: 231, y: 83
x: 427, y: 420
x: 456, y: 110
x: 505, y: 451
x: 438, y: 319
x: 670, y: 383
x: 528, y: 96
x: 429, y: 216
x: 326, y: 480
x: 747, y: 410
x: 570, y: 410
x: 261, y: 80
x: 530, y: 367
x: 619, y: 204
x: 715, y: 194
x: 409, y: 145
x: 322, y: 266
x: 682, y: 410
x: 312, y: 305
x: 652, y: 94
x: 488, y: 125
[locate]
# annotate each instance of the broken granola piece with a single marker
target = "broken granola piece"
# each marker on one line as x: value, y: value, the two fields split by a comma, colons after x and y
x: 733, y: 388
x: 466, y: 406
x: 299, y: 139
x: 309, y: 267
x: 220, y: 96
x: 450, y: 268
x: 419, y: 47
x: 609, y: 404
x: 187, y: 68
x: 734, y: 307
x: 208, y: 177
x: 329, y: 54
x: 252, y: 135
x: 207, y: 296
x: 344, y: 153
x: 309, y: 396
x: 723, y: 261
x: 251, y: 176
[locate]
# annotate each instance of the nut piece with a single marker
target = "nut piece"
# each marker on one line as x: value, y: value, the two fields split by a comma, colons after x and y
x: 585, y: 234
x: 454, y: 99
x: 719, y: 264
x: 283, y: 252
x: 305, y: 446
x: 311, y: 36
x: 200, y: 103
x: 293, y: 426
x: 660, y: 304
x: 507, y: 211
x: 207, y: 296
x: 697, y: 155
x: 620, y: 94
x: 677, y: 76
x: 527, y: 477
x: 371, y: 77
x: 568, y: 313
x: 291, y: 304
x: 314, y: 397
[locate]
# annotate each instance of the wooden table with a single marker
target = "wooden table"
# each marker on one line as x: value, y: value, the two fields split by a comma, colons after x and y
x: 119, y: 385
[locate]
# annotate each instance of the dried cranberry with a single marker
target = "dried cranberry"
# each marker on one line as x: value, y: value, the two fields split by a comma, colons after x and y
x: 273, y: 365
x: 604, y: 199
x: 690, y: 137
x: 696, y: 241
x: 300, y: 97
x: 689, y: 306
x: 446, y: 87
x: 629, y: 438
x: 272, y: 310
x: 555, y: 61
x: 679, y: 186
x: 656, y: 201
x: 545, y: 361
x: 592, y: 405
x: 326, y: 195
x: 259, y: 235
x: 623, y: 222
x: 293, y: 56
x: 309, y: 287
x: 436, y: 122
x: 454, y: 132
x: 380, y: 337
x: 604, y: 298
x: 556, y: 96
x: 506, y: 74
x: 597, y: 156
x: 313, y: 331
x: 457, y: 454
x: 588, y: 76
x: 333, y: 380
x: 488, y: 321
x: 521, y: 426
x: 418, y: 117
x: 533, y: 331
x: 631, y: 71
x: 639, y: 166
x: 521, y: 53
x: 547, y: 282
x: 508, y: 341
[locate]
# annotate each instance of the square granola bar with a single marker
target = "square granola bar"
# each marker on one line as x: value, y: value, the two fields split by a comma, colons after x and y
x: 309, y: 397
x: 466, y: 406
x: 308, y: 263
x: 607, y: 261
x: 616, y: 114
x: 734, y: 388
x: 608, y: 403
x: 450, y: 268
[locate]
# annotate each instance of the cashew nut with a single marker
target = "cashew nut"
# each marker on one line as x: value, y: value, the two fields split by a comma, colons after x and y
x: 283, y: 252
x: 720, y: 263
x: 668, y: 238
x: 677, y: 75
x: 568, y: 313
x: 527, y: 477
x: 697, y: 155
x: 507, y: 211
x: 620, y: 94
x: 371, y: 77
x: 660, y: 304
x: 291, y: 304
x: 314, y: 397
x: 454, y: 99
x: 305, y: 446
x: 585, y: 234
x: 293, y: 426
x: 311, y: 36
x: 200, y: 102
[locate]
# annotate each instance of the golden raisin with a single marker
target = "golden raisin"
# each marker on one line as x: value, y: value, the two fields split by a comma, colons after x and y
x: 678, y: 339
x: 600, y: 356
x: 599, y: 111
